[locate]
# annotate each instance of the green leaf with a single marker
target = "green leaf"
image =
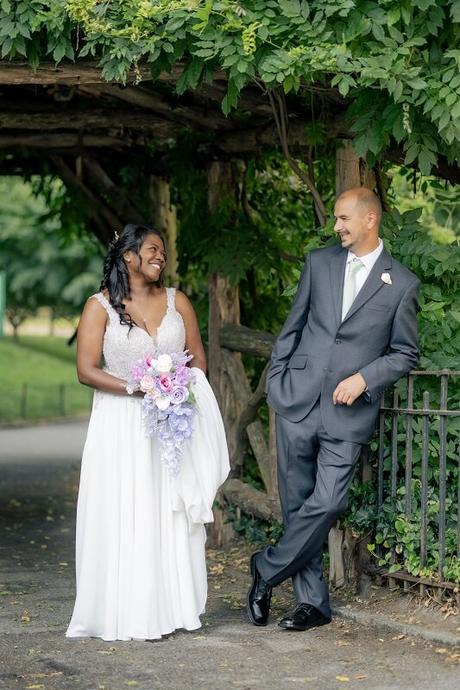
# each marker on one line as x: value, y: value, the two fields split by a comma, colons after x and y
x: 190, y: 76
x: 426, y: 160
x: 290, y: 8
x: 59, y: 51
x: 417, y: 84
x: 231, y: 98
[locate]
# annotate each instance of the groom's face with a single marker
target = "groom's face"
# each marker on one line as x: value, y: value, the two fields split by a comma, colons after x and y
x: 351, y: 224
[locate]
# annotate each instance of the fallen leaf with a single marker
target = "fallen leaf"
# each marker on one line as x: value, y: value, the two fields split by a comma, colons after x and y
x: 343, y: 679
x: 398, y: 637
x: 25, y: 618
x: 363, y: 677
x: 39, y: 686
x: 216, y: 569
x: 441, y: 650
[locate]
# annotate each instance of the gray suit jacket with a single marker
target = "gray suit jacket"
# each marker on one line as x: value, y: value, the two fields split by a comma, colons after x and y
x: 316, y: 349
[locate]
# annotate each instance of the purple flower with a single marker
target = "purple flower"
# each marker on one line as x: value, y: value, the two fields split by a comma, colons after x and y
x: 137, y: 373
x: 182, y: 376
x: 179, y: 395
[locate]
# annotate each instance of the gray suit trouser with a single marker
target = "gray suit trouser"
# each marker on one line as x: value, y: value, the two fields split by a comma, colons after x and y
x: 314, y: 475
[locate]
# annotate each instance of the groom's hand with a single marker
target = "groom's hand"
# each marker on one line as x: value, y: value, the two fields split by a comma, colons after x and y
x: 348, y: 390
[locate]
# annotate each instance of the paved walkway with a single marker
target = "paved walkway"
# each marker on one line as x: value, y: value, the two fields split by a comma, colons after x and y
x: 39, y: 475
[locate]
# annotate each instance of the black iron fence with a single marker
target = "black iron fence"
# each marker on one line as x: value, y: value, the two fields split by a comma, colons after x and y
x: 29, y: 401
x: 417, y: 464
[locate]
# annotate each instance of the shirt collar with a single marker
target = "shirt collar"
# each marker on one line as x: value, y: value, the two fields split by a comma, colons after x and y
x: 368, y: 259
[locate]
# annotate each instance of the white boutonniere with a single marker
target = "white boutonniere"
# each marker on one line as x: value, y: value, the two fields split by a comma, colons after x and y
x: 386, y: 278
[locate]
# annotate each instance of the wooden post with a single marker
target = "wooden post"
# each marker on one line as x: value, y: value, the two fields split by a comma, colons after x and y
x: 164, y: 218
x: 224, y: 307
x: 351, y: 170
x: 344, y: 554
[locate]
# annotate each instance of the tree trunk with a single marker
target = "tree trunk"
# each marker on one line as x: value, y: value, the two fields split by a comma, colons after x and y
x: 344, y: 568
x: 224, y: 307
x: 351, y: 170
x: 164, y: 219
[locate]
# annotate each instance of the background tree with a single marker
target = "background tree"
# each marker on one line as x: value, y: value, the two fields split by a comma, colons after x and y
x: 45, y: 264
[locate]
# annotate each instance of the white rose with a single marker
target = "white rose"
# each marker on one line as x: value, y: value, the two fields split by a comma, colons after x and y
x: 162, y: 402
x: 164, y: 364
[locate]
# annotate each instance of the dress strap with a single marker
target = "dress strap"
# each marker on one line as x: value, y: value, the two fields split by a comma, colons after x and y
x: 171, y: 298
x: 104, y: 302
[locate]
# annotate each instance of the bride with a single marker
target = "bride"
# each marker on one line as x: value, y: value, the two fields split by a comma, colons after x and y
x: 140, y: 543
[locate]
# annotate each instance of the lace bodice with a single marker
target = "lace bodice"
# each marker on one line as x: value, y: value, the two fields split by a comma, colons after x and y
x: 123, y: 347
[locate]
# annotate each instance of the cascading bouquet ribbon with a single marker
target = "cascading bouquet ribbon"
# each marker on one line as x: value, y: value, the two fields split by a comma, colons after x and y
x: 169, y: 404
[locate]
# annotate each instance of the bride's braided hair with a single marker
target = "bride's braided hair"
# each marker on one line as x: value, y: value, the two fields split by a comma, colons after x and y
x: 115, y: 277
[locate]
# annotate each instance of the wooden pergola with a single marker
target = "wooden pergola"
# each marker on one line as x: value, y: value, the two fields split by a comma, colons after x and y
x: 70, y: 121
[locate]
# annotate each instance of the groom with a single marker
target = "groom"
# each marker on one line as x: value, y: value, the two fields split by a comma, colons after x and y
x: 351, y: 333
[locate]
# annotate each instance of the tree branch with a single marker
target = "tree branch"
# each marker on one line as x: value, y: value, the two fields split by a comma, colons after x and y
x: 278, y: 103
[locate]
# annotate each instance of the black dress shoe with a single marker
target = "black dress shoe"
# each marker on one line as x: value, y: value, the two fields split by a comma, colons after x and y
x: 305, y: 616
x: 258, y: 597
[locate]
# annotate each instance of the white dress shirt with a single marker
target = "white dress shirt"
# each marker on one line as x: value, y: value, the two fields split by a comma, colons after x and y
x: 368, y: 261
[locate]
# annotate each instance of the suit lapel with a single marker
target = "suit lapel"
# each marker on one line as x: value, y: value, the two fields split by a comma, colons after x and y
x: 373, y: 283
x: 337, y: 275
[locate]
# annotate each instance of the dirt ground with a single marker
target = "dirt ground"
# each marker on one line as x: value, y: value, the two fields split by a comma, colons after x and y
x: 38, y: 483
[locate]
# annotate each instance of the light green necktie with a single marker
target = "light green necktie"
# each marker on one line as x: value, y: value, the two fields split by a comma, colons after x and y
x: 350, y: 285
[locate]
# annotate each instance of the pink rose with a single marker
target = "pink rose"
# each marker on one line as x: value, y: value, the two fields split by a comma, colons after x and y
x: 166, y: 383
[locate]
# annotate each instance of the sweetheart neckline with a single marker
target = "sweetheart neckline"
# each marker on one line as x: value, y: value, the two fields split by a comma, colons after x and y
x: 155, y: 337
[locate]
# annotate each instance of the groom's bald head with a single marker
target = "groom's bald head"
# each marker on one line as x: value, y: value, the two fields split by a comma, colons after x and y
x: 365, y: 199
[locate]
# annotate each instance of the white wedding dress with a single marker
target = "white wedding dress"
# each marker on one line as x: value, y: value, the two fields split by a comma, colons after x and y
x: 140, y: 544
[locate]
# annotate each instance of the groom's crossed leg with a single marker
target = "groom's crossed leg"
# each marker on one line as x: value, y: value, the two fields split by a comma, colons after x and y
x: 314, y: 474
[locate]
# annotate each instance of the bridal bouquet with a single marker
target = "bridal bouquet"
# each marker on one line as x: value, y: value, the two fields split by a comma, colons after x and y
x: 169, y: 404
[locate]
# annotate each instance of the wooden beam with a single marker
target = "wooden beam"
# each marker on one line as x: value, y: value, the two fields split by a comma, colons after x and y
x: 65, y: 141
x: 72, y: 180
x: 199, y: 116
x: 247, y: 340
x: 83, y: 72
x: 108, y: 190
x: 251, y: 500
x: 65, y: 73
x: 260, y: 137
x: 87, y: 119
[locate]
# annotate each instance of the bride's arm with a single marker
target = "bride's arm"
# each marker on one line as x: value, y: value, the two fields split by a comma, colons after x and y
x: 90, y: 338
x: 193, y: 341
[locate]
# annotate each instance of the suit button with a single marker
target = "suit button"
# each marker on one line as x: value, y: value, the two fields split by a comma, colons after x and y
x: 338, y: 341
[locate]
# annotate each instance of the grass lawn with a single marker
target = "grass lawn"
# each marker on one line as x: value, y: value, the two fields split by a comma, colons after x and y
x: 48, y: 345
x: 38, y: 379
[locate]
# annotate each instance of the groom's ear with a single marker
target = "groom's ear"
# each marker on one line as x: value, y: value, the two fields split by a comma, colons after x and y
x: 372, y: 219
